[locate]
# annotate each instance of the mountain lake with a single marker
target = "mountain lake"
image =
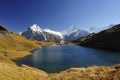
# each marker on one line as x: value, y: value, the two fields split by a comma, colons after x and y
x: 56, y: 58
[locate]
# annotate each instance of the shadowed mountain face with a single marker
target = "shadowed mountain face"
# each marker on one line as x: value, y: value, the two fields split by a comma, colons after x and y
x: 108, y: 39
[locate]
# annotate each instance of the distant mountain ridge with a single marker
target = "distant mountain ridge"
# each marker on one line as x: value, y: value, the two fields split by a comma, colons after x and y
x: 73, y: 33
x: 37, y: 33
x: 107, y: 39
x: 98, y: 29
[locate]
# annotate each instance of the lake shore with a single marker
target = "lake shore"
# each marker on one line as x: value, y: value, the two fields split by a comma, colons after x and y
x: 13, y: 72
x: 57, y: 58
x: 91, y: 73
x: 24, y: 53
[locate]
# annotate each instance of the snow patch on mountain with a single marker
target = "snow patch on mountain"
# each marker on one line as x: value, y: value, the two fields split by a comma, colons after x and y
x: 53, y: 32
x: 36, y: 28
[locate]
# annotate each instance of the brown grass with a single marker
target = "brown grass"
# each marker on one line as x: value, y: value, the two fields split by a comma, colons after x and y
x: 90, y: 73
x: 10, y: 71
x: 13, y: 72
x: 5, y: 59
x: 15, y: 46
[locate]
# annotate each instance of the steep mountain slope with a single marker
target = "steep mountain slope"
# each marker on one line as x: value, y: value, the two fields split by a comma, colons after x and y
x: 35, y: 32
x: 107, y: 39
x: 13, y: 45
x: 73, y: 33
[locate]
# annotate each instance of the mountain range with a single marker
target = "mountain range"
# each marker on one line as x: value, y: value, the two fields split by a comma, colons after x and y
x: 98, y: 29
x: 108, y: 39
x: 14, y: 46
x: 37, y: 33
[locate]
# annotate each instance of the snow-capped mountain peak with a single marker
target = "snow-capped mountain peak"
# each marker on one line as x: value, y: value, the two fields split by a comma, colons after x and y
x: 37, y: 33
x: 69, y: 31
x: 73, y: 33
x: 73, y: 27
x: 36, y: 28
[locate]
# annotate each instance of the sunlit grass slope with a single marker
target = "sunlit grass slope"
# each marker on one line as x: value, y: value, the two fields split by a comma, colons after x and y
x: 14, y: 45
x: 13, y: 72
x: 90, y: 73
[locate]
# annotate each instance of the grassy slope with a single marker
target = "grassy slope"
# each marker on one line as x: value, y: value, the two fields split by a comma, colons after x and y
x: 4, y: 59
x: 90, y: 73
x: 14, y: 46
x: 13, y: 72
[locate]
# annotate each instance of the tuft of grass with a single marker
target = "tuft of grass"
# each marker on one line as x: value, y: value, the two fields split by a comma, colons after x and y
x: 5, y: 59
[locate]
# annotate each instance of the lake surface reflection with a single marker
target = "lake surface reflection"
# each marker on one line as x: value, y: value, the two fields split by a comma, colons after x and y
x: 57, y: 58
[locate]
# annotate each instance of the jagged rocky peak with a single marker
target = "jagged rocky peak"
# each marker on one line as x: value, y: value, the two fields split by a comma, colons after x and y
x: 2, y: 28
x: 73, y: 33
x: 35, y: 27
x: 73, y: 27
x: 70, y: 30
x: 37, y: 33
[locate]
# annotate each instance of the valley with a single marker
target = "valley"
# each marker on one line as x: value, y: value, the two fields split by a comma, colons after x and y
x: 14, y: 46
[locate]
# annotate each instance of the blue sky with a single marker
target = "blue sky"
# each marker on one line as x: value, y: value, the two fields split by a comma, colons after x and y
x: 17, y: 15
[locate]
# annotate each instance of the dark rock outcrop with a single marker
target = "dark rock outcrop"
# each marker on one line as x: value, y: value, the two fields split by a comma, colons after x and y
x: 3, y: 28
